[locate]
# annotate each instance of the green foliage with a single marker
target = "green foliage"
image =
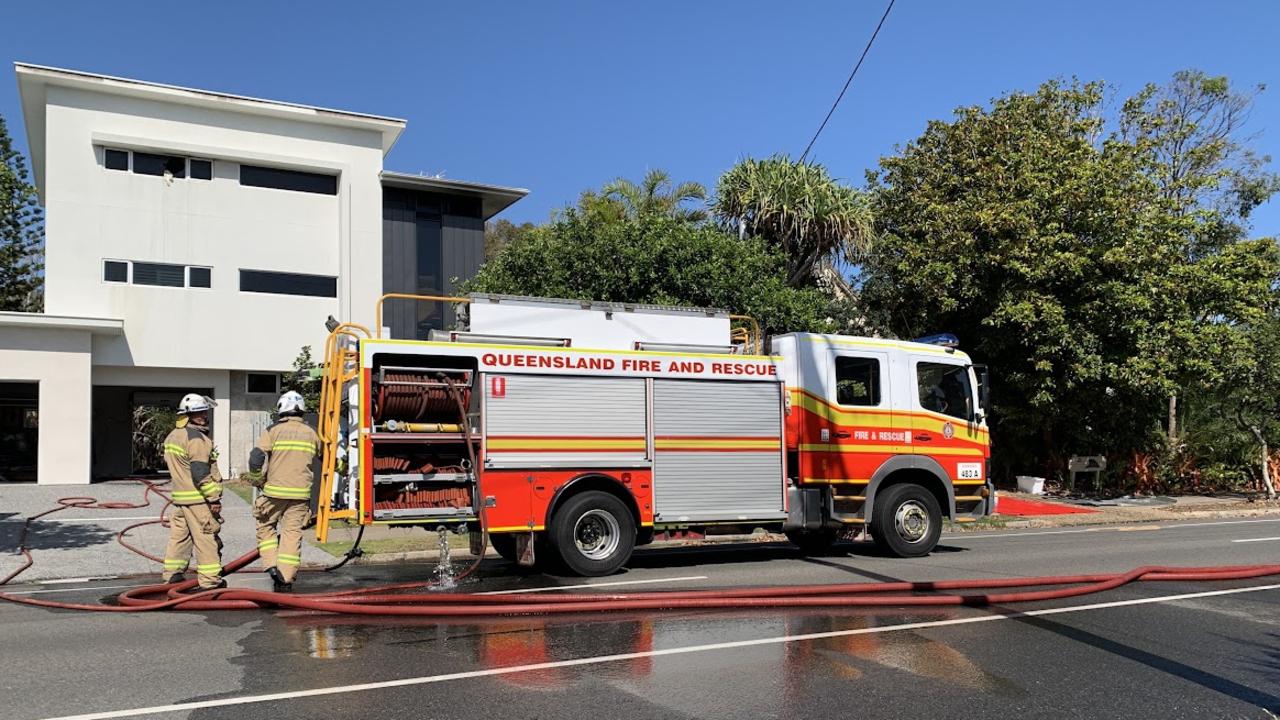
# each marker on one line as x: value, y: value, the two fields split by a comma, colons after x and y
x: 500, y: 234
x: 818, y: 223
x: 1055, y: 253
x: 21, y: 233
x: 304, y: 379
x: 656, y: 195
x: 653, y: 258
x: 151, y: 425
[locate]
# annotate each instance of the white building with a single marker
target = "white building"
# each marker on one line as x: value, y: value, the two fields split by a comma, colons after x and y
x: 195, y: 241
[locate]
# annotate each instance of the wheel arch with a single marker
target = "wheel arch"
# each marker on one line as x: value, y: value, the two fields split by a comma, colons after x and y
x: 915, y: 469
x: 592, y: 481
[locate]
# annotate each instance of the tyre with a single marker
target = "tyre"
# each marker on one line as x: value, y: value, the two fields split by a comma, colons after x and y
x: 592, y: 534
x: 906, y: 521
x: 813, y: 542
x: 505, y: 545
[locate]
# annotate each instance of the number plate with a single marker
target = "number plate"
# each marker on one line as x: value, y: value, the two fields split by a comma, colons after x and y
x: 969, y: 471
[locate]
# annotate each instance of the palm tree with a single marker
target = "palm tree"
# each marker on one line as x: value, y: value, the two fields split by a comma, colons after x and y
x: 818, y: 223
x: 657, y: 195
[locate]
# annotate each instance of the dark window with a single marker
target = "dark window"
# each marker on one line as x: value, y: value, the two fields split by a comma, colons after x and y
x: 116, y: 159
x: 159, y: 274
x: 148, y: 164
x: 430, y: 280
x: 945, y: 389
x: 201, y: 169
x: 200, y: 277
x: 265, y: 383
x: 857, y: 381
x: 255, y: 176
x: 288, y: 283
x: 115, y: 271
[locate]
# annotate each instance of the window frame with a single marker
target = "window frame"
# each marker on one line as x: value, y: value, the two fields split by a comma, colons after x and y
x: 268, y: 170
x: 275, y: 376
x: 190, y: 164
x: 882, y: 367
x: 199, y: 287
x: 133, y: 164
x: 128, y: 271
x: 259, y: 272
x: 964, y: 369
x: 128, y: 159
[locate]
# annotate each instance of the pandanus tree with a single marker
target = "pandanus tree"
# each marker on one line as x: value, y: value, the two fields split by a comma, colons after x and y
x: 818, y: 223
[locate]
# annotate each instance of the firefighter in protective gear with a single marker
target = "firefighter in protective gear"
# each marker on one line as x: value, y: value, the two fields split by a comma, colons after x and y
x: 287, y: 450
x: 196, y: 494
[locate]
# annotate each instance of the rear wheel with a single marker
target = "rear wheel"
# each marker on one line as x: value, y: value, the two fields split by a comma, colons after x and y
x: 813, y: 542
x: 906, y: 520
x: 593, y: 534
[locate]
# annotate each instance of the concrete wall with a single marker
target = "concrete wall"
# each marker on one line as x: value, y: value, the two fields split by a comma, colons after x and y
x: 95, y: 214
x: 59, y: 360
x: 250, y: 412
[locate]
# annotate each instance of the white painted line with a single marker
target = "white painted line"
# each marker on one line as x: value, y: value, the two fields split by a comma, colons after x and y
x: 83, y: 589
x: 593, y: 585
x: 65, y: 581
x: 1270, y: 539
x: 600, y: 659
x: 1103, y: 528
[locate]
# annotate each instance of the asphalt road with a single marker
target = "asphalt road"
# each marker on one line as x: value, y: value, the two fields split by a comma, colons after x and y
x: 1167, y: 650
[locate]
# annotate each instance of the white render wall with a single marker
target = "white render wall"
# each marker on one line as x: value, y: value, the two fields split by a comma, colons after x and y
x: 59, y: 361
x: 95, y: 214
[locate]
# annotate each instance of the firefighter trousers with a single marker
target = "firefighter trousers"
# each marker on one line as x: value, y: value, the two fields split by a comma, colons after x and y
x: 194, y: 526
x: 280, y: 524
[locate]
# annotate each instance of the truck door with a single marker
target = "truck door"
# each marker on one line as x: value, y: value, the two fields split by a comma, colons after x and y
x: 858, y: 433
x: 946, y: 422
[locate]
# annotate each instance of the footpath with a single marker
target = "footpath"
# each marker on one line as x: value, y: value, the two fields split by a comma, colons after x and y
x: 79, y: 543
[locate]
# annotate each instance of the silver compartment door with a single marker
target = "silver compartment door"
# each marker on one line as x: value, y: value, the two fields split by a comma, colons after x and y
x: 718, y: 451
x: 554, y: 421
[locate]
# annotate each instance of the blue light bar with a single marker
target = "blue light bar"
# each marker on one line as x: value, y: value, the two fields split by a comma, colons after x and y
x: 946, y: 340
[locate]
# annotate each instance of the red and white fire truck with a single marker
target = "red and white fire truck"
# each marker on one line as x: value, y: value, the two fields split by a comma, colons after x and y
x: 575, y: 431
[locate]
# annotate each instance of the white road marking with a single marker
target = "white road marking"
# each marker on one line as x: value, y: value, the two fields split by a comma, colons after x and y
x: 104, y: 518
x: 65, y: 581
x: 593, y: 585
x: 1270, y: 539
x: 599, y: 659
x: 1104, y: 528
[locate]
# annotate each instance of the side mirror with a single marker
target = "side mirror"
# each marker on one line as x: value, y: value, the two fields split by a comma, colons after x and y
x: 984, y: 387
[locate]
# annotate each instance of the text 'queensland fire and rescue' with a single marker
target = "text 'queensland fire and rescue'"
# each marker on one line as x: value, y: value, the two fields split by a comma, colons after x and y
x: 628, y: 365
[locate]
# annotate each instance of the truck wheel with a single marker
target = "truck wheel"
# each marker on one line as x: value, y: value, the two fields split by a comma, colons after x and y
x: 505, y: 545
x: 906, y: 521
x: 813, y: 542
x: 593, y: 533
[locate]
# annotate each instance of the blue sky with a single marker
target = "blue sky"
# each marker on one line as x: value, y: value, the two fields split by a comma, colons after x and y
x: 559, y: 97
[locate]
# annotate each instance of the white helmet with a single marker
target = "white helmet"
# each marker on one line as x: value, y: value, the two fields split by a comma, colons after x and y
x: 291, y: 402
x: 194, y: 403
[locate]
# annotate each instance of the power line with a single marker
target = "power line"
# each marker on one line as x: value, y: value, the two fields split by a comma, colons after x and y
x: 840, y: 97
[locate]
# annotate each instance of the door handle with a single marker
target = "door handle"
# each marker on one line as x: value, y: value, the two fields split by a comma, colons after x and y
x: 843, y: 434
x: 924, y: 437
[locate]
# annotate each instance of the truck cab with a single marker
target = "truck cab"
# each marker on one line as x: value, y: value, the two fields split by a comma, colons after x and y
x: 885, y: 435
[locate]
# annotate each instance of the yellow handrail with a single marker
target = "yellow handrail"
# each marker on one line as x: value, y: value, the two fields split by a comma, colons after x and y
x: 756, y: 346
x: 337, y: 359
x: 407, y: 296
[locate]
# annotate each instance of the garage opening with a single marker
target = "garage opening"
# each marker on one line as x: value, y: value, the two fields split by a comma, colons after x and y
x: 129, y: 427
x: 19, y: 431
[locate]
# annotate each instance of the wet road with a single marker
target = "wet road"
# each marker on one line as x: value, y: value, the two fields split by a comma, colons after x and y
x: 1153, y: 650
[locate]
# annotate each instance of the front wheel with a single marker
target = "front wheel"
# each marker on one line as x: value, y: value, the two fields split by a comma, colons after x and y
x: 593, y: 534
x: 505, y: 545
x: 906, y: 521
x: 813, y: 542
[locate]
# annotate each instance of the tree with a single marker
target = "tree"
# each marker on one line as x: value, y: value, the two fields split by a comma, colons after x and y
x: 21, y: 233
x: 818, y: 223
x: 656, y: 195
x: 653, y: 258
x: 304, y: 379
x: 1047, y: 246
x: 1191, y: 135
x: 502, y: 233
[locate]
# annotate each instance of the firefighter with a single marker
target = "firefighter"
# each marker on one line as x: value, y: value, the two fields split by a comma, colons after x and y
x: 287, y: 449
x: 196, y: 494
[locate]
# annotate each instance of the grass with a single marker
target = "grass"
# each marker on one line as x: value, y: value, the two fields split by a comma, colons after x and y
x: 983, y: 523
x: 242, y: 489
x: 411, y: 543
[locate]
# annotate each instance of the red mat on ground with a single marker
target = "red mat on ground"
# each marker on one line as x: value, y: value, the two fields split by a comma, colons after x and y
x: 1019, y: 506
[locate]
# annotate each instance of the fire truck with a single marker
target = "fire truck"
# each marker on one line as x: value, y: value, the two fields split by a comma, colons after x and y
x: 575, y: 431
